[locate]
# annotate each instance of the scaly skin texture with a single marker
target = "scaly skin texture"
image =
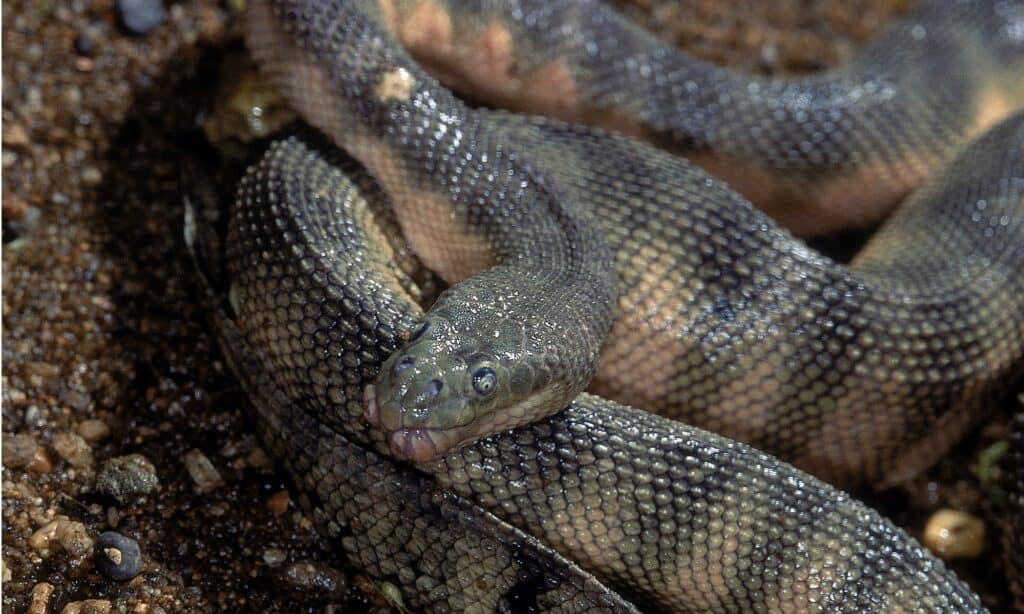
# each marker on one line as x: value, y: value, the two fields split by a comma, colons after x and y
x: 518, y: 336
x: 725, y: 321
x: 672, y: 517
x: 440, y: 552
x: 726, y: 314
x: 819, y: 153
x: 730, y: 324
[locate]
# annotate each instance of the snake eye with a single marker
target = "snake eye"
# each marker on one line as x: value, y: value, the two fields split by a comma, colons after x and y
x: 419, y: 331
x: 484, y: 380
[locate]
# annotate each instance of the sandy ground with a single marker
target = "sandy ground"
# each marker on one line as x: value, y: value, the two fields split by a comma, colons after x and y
x: 106, y: 354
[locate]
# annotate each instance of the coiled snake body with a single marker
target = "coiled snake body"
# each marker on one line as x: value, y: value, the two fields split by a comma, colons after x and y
x: 859, y: 373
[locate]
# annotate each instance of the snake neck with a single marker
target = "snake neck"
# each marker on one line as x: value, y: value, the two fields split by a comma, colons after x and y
x: 523, y: 254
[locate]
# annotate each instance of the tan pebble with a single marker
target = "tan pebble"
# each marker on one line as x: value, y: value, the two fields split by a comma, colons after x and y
x: 40, y: 598
x: 258, y: 458
x: 5, y: 571
x: 18, y: 450
x: 40, y: 539
x: 954, y: 534
x: 14, y: 135
x: 73, y: 449
x: 13, y: 208
x: 41, y: 462
x: 74, y: 538
x: 91, y: 175
x: 202, y: 471
x: 89, y: 606
x: 93, y: 430
x: 278, y: 502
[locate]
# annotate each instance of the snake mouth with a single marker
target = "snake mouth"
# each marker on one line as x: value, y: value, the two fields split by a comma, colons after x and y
x: 413, y: 444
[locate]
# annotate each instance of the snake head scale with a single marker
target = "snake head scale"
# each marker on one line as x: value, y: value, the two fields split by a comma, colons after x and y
x: 446, y: 387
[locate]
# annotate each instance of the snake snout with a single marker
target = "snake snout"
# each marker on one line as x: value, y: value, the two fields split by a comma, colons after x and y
x: 421, y: 414
x: 414, y: 392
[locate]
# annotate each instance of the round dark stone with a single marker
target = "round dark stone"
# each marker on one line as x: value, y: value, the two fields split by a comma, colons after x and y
x: 84, y: 44
x: 118, y: 557
x: 141, y: 16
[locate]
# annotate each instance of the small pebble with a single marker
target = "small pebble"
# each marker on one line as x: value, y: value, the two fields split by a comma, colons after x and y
x: 41, y: 538
x: 40, y: 598
x: 93, y: 430
x: 84, y: 44
x: 127, y: 478
x: 257, y: 458
x: 73, y: 449
x: 312, y: 576
x: 141, y: 16
x: 73, y: 537
x: 89, y: 606
x: 118, y: 557
x: 76, y: 398
x: 14, y: 135
x: 91, y: 175
x: 954, y: 534
x: 40, y: 462
x: 6, y: 571
x: 278, y: 502
x: 274, y: 557
x: 203, y: 473
x: 33, y: 417
x: 18, y: 450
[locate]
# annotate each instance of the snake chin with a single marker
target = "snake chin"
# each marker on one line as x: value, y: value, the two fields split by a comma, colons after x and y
x: 412, y: 444
x: 418, y: 445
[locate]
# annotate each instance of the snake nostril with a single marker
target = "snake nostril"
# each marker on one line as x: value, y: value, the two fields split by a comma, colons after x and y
x: 404, y: 364
x: 434, y: 387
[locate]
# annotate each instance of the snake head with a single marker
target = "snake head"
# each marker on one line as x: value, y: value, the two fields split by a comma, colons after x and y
x: 448, y: 387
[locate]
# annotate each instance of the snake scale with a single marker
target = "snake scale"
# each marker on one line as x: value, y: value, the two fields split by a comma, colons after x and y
x: 717, y: 317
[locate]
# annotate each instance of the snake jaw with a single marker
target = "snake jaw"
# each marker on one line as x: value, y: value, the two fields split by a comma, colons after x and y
x: 418, y: 445
x: 371, y: 411
x: 413, y: 444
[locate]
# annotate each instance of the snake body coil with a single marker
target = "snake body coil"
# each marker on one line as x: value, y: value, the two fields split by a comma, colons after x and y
x: 859, y: 373
x: 832, y: 150
x: 724, y: 320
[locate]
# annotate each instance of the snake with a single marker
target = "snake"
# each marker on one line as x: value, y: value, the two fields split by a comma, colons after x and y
x: 926, y: 322
x: 835, y: 150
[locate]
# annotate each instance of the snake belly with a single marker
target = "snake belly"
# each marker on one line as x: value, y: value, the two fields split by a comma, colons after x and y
x: 725, y: 321
x: 833, y: 150
x: 670, y: 517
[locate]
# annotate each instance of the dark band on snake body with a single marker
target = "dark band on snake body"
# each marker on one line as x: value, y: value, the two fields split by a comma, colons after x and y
x: 730, y: 324
x: 673, y: 517
x: 819, y: 153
